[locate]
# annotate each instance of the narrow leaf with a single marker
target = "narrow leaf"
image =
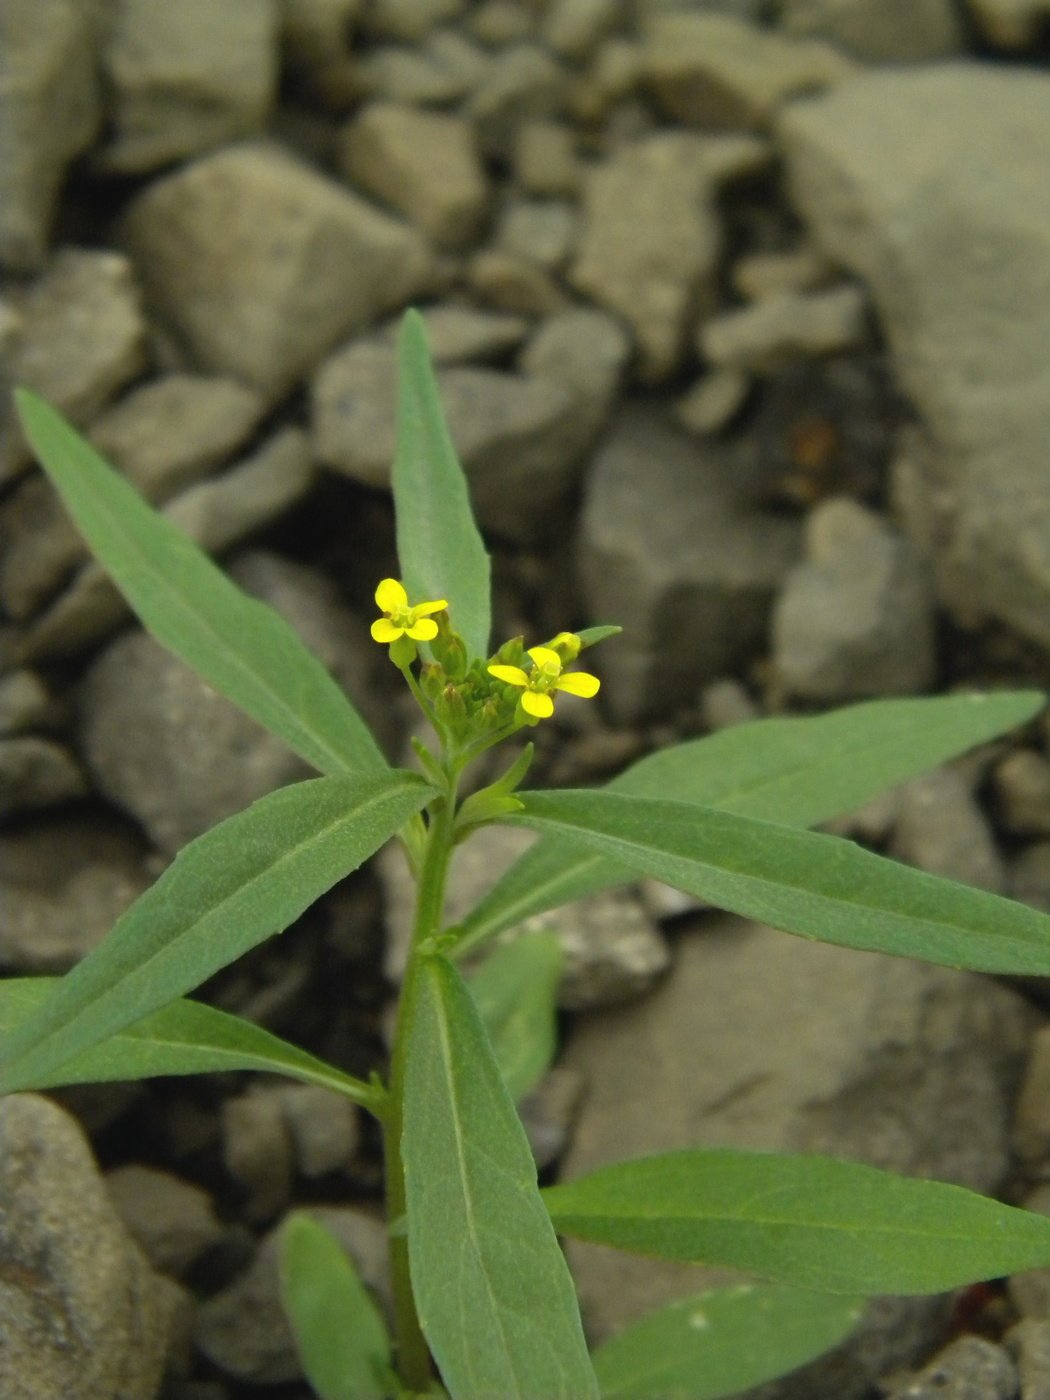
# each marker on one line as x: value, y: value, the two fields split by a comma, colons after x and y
x: 591, y: 636
x: 441, y: 552
x: 818, y: 886
x: 721, y: 1342
x: 339, y: 1333
x: 815, y: 1222
x: 516, y: 992
x: 492, y: 1288
x: 187, y: 1037
x: 797, y: 772
x: 241, y: 647
x: 245, y: 879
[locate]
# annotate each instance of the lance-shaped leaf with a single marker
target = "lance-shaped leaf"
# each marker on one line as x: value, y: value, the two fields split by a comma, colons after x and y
x: 247, y: 878
x: 187, y: 1037
x: 516, y: 992
x: 797, y: 772
x: 442, y: 555
x: 339, y: 1333
x: 721, y: 1342
x: 814, y: 1222
x: 492, y: 1288
x: 818, y: 886
x: 241, y: 647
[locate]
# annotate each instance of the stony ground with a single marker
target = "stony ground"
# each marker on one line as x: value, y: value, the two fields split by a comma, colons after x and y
x: 742, y: 318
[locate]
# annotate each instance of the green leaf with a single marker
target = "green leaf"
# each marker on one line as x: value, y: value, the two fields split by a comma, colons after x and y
x: 339, y: 1333
x: 247, y: 878
x: 441, y: 552
x: 817, y: 886
x: 815, y: 1222
x: 721, y: 1342
x: 241, y: 647
x: 187, y: 1037
x: 796, y: 772
x: 516, y: 992
x: 591, y: 636
x: 492, y: 1288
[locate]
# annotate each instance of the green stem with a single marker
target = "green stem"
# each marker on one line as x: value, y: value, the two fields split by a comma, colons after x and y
x: 413, y: 1354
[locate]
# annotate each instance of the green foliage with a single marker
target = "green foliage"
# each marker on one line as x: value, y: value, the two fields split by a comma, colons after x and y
x: 339, y: 1333
x: 722, y: 1341
x: 493, y: 1292
x: 516, y: 992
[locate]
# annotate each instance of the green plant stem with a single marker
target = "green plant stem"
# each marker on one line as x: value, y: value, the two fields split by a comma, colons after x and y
x: 413, y: 1353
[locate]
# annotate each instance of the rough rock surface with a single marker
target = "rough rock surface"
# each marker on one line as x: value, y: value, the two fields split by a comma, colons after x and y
x: 934, y: 186
x: 781, y: 329
x: 881, y: 31
x: 37, y: 773
x: 971, y: 1368
x: 85, y: 1318
x: 172, y: 1220
x: 261, y: 264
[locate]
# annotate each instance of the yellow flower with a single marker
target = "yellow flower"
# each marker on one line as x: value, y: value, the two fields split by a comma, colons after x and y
x: 400, y: 618
x: 545, y: 677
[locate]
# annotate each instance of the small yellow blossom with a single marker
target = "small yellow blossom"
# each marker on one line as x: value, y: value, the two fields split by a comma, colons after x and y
x: 545, y: 677
x: 400, y: 619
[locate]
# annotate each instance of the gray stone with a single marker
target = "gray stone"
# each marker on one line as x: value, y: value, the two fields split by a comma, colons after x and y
x: 725, y: 702
x: 315, y: 43
x: 879, y: 31
x: 63, y: 884
x: 549, y: 1112
x: 514, y: 284
x: 786, y: 327
x: 759, y: 275
x: 649, y: 243
x: 522, y: 82
x: 447, y: 68
x: 407, y: 20
x: 672, y: 549
x: 1021, y: 784
x: 39, y: 546
x: 545, y: 161
x: 941, y: 829
x: 970, y: 1368
x: 460, y: 335
x: 1010, y: 24
x: 36, y: 773
x: 243, y: 1329
x: 424, y: 164
x: 184, y: 78
x: 85, y: 1318
x: 25, y: 703
x: 497, y: 23
x: 713, y: 401
x: 766, y: 1042
x: 1031, y: 1129
x: 1028, y: 1342
x: 1028, y: 876
x: 49, y: 111
x: 168, y: 434
x: 543, y: 231
x: 172, y: 1221
x: 586, y: 351
x: 257, y: 1150
x: 934, y: 186
x: 716, y: 71
x: 573, y: 27
x: 261, y: 264
x: 323, y: 1127
x: 856, y: 618
x: 1030, y: 1291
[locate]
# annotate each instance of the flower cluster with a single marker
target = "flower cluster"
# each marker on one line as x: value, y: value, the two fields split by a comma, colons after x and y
x: 545, y: 677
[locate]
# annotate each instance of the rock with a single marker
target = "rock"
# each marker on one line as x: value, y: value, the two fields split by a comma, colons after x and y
x: 172, y: 1221
x: 1028, y: 1342
x: 856, y: 618
x: 1031, y: 1130
x: 724, y: 702
x: 543, y: 231
x: 713, y: 401
x: 315, y: 43
x: 408, y: 20
x: 1030, y: 1291
x: 1028, y: 877
x: 184, y: 78
x: 759, y: 275
x: 548, y: 1114
x: 789, y: 326
x: 522, y: 82
x: 1010, y: 24
x: 257, y: 1150
x: 497, y: 23
x: 932, y: 185
x: 25, y: 703
x: 447, y: 68
x: 649, y: 244
x: 39, y: 546
x: 672, y: 550
x: 572, y: 28
x: 901, y: 31
x: 872, y: 822
x: 586, y: 352
x: 514, y: 284
x: 1021, y: 784
x: 323, y: 1127
x: 716, y: 71
x: 766, y: 1042
x: 261, y: 264
x: 168, y: 749
x: 36, y: 773
x: 49, y: 112
x: 63, y: 884
x: 941, y: 829
x: 460, y: 335
x: 424, y: 164
x: 970, y: 1368
x: 168, y: 434
x: 545, y: 162
x: 243, y: 1329
x: 85, y: 1318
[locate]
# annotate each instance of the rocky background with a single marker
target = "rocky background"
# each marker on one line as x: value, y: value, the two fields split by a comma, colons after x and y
x: 742, y: 313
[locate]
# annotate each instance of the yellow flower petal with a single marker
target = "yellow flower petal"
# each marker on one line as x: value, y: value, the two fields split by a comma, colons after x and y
x: 541, y: 706
x: 391, y: 595
x: 513, y: 675
x: 543, y: 656
x: 578, y: 683
x: 421, y: 609
x: 423, y: 631
x: 383, y: 630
